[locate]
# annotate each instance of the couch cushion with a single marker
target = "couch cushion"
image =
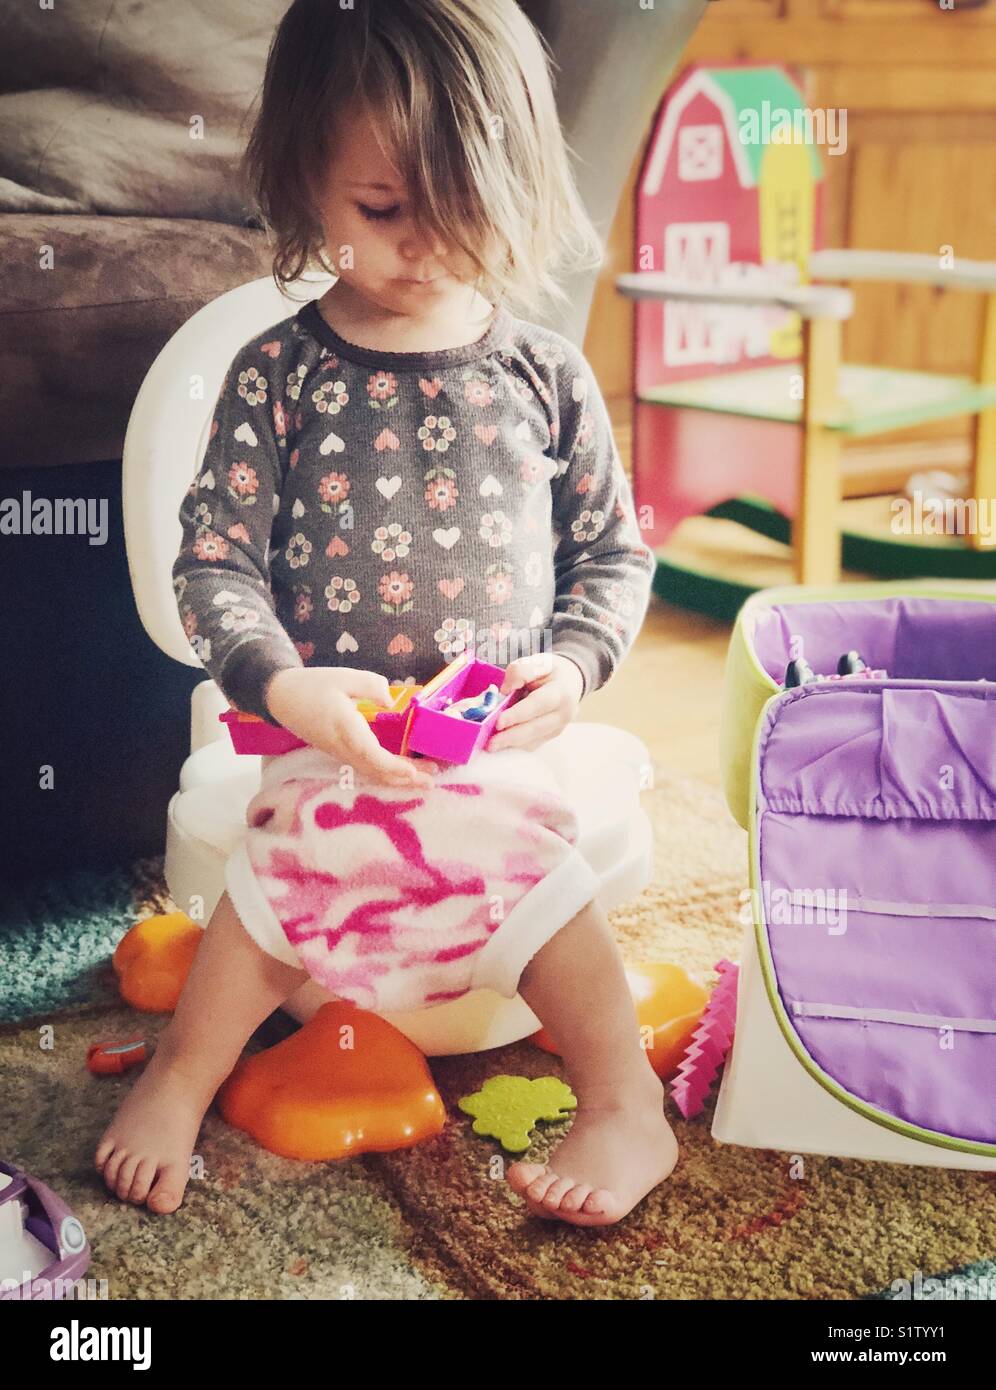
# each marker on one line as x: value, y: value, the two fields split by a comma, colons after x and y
x: 135, y: 109
x: 77, y: 339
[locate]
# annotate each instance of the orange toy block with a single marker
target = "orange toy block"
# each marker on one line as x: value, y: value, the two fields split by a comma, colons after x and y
x: 668, y: 1001
x: 153, y: 959
x: 346, y: 1083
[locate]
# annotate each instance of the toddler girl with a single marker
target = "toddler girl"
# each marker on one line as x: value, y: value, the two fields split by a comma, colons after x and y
x: 401, y: 471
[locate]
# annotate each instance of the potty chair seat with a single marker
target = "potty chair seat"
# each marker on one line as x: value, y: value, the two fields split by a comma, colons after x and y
x: 599, y: 768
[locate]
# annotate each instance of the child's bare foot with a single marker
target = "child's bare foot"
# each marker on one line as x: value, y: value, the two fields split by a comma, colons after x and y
x: 144, y: 1154
x: 617, y: 1151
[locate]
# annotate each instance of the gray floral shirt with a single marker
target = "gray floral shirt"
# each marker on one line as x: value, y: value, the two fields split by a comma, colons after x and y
x: 389, y: 510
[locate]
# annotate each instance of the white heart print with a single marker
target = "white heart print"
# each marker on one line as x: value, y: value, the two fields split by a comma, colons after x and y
x: 347, y: 643
x: 447, y: 539
x: 331, y: 443
x: 246, y: 435
x: 491, y: 487
x: 206, y: 479
x: 387, y: 487
x: 298, y: 508
x: 579, y: 388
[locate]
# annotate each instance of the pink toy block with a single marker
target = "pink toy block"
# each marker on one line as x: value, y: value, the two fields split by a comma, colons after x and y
x: 706, y: 1052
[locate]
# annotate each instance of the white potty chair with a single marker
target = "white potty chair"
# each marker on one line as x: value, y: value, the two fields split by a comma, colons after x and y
x: 601, y: 769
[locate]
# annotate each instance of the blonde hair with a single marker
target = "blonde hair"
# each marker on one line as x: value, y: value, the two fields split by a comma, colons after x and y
x: 462, y: 90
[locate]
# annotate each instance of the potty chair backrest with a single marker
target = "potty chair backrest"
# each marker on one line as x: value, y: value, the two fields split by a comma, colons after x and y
x: 168, y: 432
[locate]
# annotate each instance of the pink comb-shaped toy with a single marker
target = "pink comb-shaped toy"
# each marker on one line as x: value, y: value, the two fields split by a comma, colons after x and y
x: 706, y: 1052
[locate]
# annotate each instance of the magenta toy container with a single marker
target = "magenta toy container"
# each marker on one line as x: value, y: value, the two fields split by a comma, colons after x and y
x: 259, y: 737
x: 438, y: 735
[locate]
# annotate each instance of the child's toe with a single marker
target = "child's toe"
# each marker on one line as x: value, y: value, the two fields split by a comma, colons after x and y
x: 520, y: 1175
x: 575, y: 1199
x: 598, y: 1203
x: 113, y: 1167
x: 103, y: 1152
x: 538, y: 1189
x: 167, y: 1194
x: 125, y: 1175
x: 142, y: 1181
x: 557, y: 1192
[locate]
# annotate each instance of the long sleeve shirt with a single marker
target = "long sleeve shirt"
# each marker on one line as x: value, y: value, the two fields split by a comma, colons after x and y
x: 389, y: 510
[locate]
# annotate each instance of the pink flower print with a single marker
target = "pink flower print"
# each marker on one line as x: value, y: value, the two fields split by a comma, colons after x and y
x: 294, y: 458
x: 239, y: 533
x: 252, y: 386
x: 532, y: 469
x: 214, y: 429
x: 242, y: 482
x: 395, y: 592
x: 453, y: 636
x: 391, y: 542
x: 298, y: 551
x: 190, y: 622
x: 588, y: 526
x: 294, y: 383
x: 548, y: 354
x: 210, y: 546
x: 441, y: 491
x: 305, y: 650
x: 495, y: 528
x: 382, y: 388
x: 620, y: 597
x: 437, y: 432
x: 280, y: 418
x: 333, y: 489
x: 532, y: 571
x: 478, y: 390
x: 330, y: 397
x: 499, y: 584
x: 303, y: 605
x: 342, y: 594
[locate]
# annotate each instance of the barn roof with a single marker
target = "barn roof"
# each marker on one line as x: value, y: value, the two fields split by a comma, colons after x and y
x: 735, y: 91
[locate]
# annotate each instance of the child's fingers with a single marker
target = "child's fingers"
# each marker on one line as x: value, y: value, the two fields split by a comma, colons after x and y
x: 526, y: 669
x: 529, y: 735
x: 532, y: 706
x: 370, y: 760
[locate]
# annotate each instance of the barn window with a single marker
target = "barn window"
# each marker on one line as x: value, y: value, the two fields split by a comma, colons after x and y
x: 700, y: 152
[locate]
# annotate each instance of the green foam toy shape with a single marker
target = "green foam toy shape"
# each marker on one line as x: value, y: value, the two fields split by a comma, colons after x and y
x: 507, y: 1107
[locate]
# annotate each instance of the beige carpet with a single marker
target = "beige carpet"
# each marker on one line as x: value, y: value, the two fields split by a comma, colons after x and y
x: 433, y: 1222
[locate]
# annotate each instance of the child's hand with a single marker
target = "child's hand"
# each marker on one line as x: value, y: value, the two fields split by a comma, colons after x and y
x: 555, y: 685
x: 316, y: 703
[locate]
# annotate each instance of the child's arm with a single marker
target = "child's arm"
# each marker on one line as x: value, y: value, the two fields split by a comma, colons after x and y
x: 603, y: 567
x: 221, y: 575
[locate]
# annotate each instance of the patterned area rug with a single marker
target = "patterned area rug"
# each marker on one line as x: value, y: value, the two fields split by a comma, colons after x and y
x: 437, y: 1222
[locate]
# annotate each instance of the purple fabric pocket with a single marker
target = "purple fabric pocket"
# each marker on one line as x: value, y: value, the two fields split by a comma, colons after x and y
x: 875, y: 869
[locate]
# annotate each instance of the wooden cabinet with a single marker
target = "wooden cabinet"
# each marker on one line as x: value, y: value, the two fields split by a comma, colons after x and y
x: 917, y: 83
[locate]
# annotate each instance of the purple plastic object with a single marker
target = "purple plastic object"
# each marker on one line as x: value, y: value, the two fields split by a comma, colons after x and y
x: 51, y: 1222
x: 876, y: 857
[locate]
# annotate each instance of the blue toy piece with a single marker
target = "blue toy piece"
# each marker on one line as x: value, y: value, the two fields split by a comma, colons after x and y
x: 476, y: 707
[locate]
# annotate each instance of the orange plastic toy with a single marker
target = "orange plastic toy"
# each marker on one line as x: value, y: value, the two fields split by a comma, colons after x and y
x: 153, y: 959
x: 311, y: 1097
x: 667, y: 1000
x: 112, y: 1058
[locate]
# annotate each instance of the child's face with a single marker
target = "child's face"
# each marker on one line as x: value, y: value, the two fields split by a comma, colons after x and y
x: 366, y: 206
